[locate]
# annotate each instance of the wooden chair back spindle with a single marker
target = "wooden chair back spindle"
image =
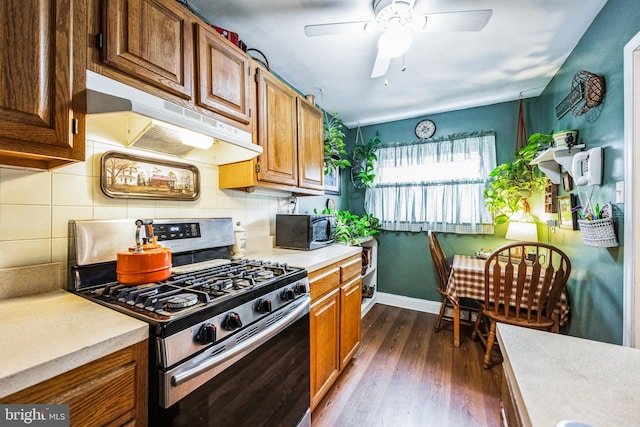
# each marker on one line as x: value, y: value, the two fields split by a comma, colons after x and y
x: 524, y: 282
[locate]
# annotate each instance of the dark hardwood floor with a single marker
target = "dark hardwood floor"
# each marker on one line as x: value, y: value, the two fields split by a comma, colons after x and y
x: 404, y: 374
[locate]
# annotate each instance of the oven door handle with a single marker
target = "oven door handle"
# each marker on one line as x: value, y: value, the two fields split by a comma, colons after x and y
x: 243, y: 348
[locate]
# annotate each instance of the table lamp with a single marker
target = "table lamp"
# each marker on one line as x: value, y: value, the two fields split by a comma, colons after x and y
x: 522, y: 232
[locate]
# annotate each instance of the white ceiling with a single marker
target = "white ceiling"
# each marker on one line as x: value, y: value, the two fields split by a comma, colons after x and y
x: 517, y: 53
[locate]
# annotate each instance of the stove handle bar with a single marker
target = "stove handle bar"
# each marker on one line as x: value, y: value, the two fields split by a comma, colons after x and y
x: 227, y: 358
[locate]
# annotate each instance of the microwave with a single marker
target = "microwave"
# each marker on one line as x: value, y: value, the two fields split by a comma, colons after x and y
x: 305, y: 232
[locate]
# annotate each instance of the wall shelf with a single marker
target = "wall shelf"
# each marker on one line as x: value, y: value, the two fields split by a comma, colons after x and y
x: 370, y: 277
x: 550, y: 160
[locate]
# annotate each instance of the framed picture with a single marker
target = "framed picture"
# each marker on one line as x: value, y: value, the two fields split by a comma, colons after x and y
x: 332, y: 182
x: 134, y: 177
x: 566, y: 217
x: 567, y: 182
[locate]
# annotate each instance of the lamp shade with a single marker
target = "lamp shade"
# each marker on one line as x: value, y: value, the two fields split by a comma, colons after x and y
x: 522, y: 231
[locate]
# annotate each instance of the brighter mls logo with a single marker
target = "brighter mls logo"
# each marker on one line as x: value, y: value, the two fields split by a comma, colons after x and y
x: 34, y: 415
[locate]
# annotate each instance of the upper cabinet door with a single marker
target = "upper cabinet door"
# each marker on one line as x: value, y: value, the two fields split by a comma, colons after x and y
x: 38, y: 127
x: 151, y: 40
x: 223, y: 76
x: 310, y: 146
x: 277, y: 131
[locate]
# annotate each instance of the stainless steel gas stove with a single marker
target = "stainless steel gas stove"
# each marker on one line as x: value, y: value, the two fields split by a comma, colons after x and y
x: 213, y: 321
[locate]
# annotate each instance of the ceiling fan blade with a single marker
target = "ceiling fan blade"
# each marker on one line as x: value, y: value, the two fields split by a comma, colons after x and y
x: 466, y: 20
x: 381, y: 65
x: 336, y: 28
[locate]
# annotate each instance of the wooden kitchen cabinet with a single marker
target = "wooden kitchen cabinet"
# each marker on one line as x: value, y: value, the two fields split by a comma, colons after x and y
x: 162, y: 48
x: 350, y: 300
x: 291, y: 133
x: 310, y: 146
x: 509, y: 416
x: 277, y: 130
x: 324, y: 321
x: 110, y: 391
x: 41, y: 90
x: 335, y: 325
x: 223, y: 76
x: 150, y: 40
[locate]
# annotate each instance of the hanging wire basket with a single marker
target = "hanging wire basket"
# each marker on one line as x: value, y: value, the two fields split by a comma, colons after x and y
x: 589, y: 89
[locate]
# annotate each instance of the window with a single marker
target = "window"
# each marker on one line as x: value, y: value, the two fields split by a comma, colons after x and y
x: 435, y: 185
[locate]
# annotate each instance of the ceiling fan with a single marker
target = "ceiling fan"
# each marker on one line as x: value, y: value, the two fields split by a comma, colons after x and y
x: 399, y: 21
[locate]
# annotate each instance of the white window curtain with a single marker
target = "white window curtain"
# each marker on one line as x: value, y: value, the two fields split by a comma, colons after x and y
x: 434, y: 185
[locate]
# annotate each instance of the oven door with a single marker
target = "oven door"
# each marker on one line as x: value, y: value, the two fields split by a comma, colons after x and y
x: 262, y: 378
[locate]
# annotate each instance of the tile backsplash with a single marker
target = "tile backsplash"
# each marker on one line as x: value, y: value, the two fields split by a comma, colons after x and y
x: 35, y: 206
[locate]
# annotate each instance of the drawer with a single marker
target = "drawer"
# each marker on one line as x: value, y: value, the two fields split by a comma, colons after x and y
x: 323, y: 281
x: 351, y: 268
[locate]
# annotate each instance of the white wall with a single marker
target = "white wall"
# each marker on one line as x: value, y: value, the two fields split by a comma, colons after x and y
x: 35, y: 206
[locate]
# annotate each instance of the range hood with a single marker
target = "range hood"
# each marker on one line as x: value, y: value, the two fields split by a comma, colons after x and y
x: 120, y: 113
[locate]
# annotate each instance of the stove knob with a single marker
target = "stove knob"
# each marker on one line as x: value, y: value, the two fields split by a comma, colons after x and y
x: 264, y: 306
x: 232, y: 321
x: 289, y: 294
x: 301, y: 288
x: 206, y: 334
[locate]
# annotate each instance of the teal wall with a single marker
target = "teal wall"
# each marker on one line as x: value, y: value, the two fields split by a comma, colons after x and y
x: 597, y: 292
x: 405, y: 266
x: 596, y: 283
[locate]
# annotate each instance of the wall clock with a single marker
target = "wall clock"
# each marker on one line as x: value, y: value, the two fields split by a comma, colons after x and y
x: 425, y: 129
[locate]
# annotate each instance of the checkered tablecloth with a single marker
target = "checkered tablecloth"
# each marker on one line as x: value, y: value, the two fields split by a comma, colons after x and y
x: 467, y: 281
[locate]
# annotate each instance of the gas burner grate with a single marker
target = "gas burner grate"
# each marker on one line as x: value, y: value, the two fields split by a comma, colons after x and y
x: 188, y: 290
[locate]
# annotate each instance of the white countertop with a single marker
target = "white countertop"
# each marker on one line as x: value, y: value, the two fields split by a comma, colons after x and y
x: 46, y: 334
x: 309, y: 260
x: 559, y: 377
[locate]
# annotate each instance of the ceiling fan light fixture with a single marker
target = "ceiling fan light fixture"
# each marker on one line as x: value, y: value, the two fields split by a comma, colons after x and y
x: 395, y: 41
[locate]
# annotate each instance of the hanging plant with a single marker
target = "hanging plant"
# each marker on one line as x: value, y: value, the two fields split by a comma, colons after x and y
x: 364, y: 157
x: 516, y: 181
x: 334, y: 145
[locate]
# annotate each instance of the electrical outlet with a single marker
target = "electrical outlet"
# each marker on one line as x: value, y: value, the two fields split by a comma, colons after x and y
x: 620, y: 192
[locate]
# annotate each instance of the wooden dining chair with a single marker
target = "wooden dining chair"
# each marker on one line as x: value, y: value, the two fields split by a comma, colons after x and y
x: 466, y: 305
x: 523, y: 284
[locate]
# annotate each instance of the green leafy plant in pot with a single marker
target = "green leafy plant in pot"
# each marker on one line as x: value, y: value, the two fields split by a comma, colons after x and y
x: 353, y: 229
x: 514, y: 182
x: 334, y: 145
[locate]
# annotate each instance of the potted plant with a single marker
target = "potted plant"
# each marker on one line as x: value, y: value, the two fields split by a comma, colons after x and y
x: 537, y: 142
x: 514, y: 182
x: 353, y: 229
x: 364, y: 157
x: 334, y: 145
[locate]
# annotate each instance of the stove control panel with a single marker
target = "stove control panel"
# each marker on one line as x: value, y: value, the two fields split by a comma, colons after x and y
x: 178, y: 346
x: 177, y: 231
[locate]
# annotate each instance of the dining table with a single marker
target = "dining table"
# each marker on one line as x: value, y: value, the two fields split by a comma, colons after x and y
x: 467, y: 281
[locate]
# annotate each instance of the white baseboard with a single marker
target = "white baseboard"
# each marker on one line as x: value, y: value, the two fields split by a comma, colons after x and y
x: 417, y: 304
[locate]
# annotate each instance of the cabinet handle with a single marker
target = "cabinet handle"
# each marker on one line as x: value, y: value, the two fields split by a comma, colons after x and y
x: 99, y: 40
x: 74, y: 126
